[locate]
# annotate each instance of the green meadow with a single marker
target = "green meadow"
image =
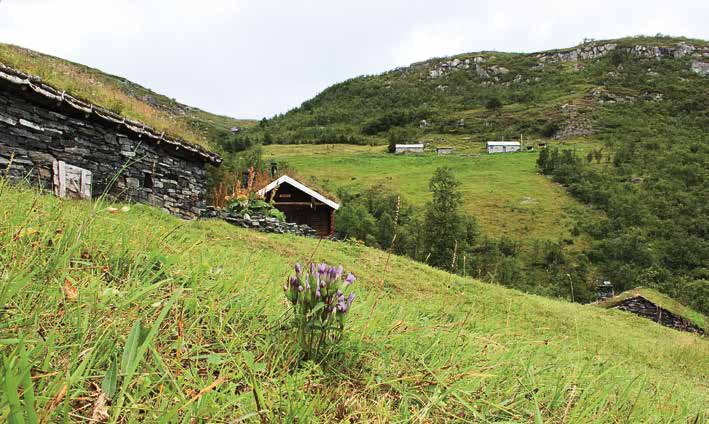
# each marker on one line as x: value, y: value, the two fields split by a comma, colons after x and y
x: 131, y: 315
x: 503, y: 191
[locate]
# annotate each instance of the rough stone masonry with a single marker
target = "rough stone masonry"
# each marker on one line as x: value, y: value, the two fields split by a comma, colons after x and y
x: 37, y: 130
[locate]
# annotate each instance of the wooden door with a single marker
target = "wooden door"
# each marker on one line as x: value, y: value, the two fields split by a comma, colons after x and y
x: 71, y: 182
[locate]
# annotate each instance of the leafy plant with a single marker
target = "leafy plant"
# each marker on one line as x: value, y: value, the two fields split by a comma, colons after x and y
x: 320, y: 305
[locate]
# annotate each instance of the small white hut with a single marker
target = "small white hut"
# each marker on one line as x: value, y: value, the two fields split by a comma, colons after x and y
x: 409, y: 148
x: 503, y: 146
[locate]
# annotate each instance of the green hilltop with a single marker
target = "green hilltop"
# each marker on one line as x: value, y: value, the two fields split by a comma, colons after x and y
x: 497, y: 95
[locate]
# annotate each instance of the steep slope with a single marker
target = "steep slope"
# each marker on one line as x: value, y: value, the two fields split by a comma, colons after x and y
x: 496, y: 95
x: 421, y: 345
x: 123, y: 96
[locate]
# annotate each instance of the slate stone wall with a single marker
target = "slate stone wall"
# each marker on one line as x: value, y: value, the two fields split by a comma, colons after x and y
x: 261, y: 223
x: 34, y: 135
x: 643, y: 307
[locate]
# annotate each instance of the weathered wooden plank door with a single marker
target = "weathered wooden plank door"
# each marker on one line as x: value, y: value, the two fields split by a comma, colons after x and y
x: 71, y: 182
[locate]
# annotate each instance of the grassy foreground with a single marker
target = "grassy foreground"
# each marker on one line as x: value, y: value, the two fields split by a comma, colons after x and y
x: 421, y: 345
x: 504, y: 192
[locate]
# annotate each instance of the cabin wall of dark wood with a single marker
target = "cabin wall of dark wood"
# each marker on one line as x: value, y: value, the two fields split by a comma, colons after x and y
x: 305, y: 210
x: 32, y: 136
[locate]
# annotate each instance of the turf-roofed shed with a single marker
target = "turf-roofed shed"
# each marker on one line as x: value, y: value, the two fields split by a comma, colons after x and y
x: 302, y: 205
x: 657, y: 307
x: 79, y: 150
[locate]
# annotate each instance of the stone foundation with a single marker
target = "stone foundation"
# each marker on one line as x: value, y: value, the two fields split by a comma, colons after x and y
x: 260, y: 223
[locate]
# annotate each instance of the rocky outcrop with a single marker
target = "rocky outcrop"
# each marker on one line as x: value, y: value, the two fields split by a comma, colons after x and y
x: 587, y: 52
x: 641, y: 306
x: 259, y: 222
x: 576, y: 122
x: 700, y: 68
x: 596, y: 51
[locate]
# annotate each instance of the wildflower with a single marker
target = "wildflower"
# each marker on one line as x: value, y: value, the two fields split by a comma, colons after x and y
x: 321, y: 303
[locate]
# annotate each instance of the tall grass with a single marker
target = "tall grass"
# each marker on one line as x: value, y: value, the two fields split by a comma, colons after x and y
x: 139, y: 317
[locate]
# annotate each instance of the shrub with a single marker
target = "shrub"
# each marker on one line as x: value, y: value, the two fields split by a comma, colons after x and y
x: 493, y: 103
x: 320, y: 305
x: 550, y: 128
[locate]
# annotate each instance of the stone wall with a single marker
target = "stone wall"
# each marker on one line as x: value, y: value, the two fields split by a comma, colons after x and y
x: 260, y: 223
x: 33, y: 134
x: 646, y: 309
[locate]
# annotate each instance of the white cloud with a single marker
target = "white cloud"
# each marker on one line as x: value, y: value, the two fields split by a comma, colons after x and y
x: 257, y: 58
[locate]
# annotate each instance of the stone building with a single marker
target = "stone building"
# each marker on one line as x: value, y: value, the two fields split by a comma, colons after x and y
x: 440, y: 151
x: 656, y: 307
x: 80, y: 150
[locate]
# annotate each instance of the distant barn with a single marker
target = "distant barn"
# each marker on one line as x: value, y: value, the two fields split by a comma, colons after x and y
x: 302, y: 205
x: 409, y: 148
x: 503, y: 146
x: 444, y: 150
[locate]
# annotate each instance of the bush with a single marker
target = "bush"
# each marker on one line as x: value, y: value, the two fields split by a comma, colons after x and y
x: 320, y: 306
x: 549, y: 129
x: 400, y: 135
x: 493, y: 103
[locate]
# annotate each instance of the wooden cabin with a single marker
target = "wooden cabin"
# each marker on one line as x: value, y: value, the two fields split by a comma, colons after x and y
x: 302, y: 205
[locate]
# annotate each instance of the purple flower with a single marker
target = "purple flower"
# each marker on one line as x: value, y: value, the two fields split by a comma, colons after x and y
x: 298, y: 269
x: 350, y: 299
x: 317, y: 293
x: 350, y: 279
x: 293, y: 282
x: 312, y: 269
x: 322, y: 268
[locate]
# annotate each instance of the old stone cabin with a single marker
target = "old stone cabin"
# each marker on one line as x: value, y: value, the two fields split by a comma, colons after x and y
x: 503, y: 146
x: 80, y: 150
x: 640, y: 305
x: 302, y: 205
x: 408, y: 148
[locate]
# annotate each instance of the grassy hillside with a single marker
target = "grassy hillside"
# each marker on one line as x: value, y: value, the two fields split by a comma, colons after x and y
x: 504, y: 192
x: 422, y: 345
x: 124, y: 97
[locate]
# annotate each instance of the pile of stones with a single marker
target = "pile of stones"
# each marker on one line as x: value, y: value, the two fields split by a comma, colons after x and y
x: 259, y: 222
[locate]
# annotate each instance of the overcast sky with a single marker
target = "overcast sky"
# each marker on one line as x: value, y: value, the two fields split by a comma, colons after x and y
x: 256, y: 58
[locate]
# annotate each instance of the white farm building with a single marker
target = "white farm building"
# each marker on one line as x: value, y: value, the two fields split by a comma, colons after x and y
x: 409, y: 148
x: 503, y: 146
